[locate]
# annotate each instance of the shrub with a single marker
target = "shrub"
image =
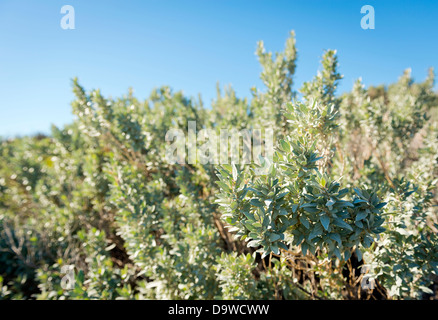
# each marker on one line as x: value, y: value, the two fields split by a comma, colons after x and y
x: 348, y: 196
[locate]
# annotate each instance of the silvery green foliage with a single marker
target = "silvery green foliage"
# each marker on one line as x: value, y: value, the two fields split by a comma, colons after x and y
x: 277, y: 76
x: 100, y: 279
x: 407, y: 257
x: 393, y: 138
x: 5, y: 293
x: 97, y: 194
x: 235, y: 274
x: 295, y: 198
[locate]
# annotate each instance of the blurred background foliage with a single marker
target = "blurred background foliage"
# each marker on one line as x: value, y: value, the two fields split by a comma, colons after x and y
x: 350, y: 191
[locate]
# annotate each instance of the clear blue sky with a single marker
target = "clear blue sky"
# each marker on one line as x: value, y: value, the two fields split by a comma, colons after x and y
x: 191, y: 45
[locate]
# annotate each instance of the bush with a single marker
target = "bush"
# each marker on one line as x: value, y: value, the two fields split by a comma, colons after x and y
x: 345, y: 206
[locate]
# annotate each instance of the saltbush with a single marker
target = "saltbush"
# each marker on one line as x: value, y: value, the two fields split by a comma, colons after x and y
x: 345, y: 206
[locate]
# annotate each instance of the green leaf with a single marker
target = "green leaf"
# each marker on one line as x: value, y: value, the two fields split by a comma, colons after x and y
x: 380, y: 205
x: 359, y: 254
x: 257, y: 225
x: 325, y: 221
x: 341, y: 223
x: 358, y: 192
x: 234, y: 172
x: 305, y: 222
x: 282, y: 212
x: 426, y: 290
x: 281, y: 195
x: 337, y: 253
x: 294, y: 208
x: 254, y: 243
x: 282, y: 245
x: 304, y: 248
x: 308, y: 205
x: 361, y: 215
x: 256, y: 203
x: 251, y: 226
x: 317, y: 230
x: 311, y: 210
x: 223, y: 186
x: 379, y: 230
x: 359, y: 224
x: 249, y: 215
x: 284, y: 145
x: 274, y: 237
x: 336, y: 237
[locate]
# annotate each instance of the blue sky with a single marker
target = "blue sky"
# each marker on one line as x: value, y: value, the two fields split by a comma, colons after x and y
x: 192, y: 45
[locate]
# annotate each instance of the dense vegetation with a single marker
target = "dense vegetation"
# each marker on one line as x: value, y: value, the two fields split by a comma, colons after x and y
x: 348, y: 197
